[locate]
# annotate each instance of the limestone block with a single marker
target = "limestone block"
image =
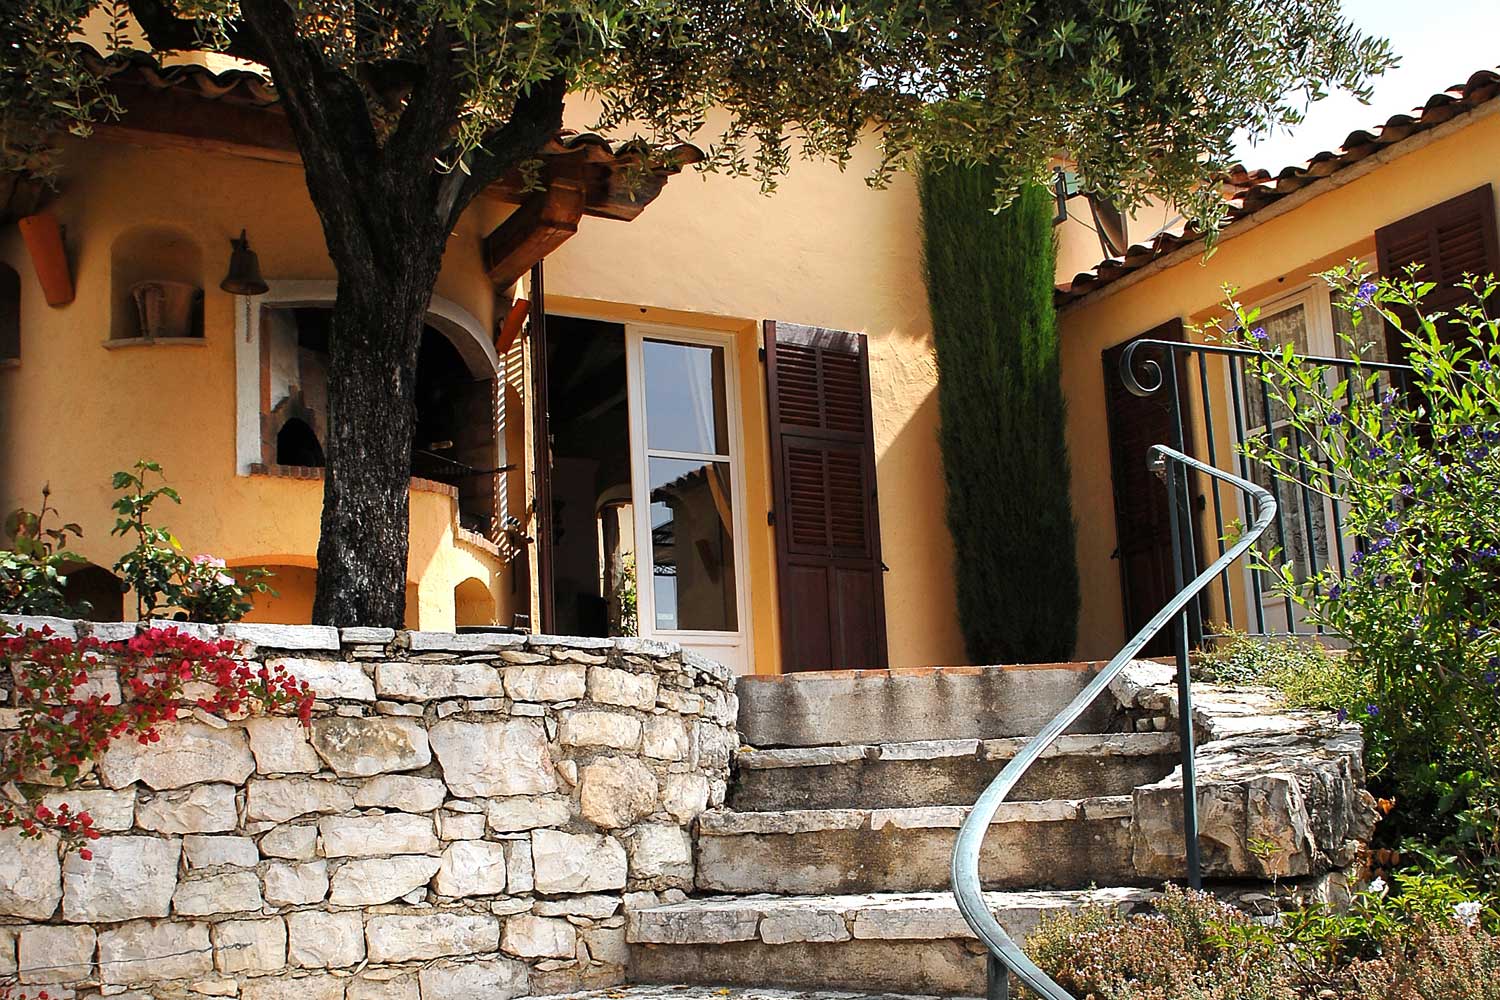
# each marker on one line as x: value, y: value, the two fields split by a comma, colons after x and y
x: 8, y: 951
x: 411, y: 937
x: 520, y: 875
x: 359, y: 748
x: 111, y: 810
x: 460, y: 826
x: 281, y: 746
x: 211, y: 852
x: 231, y: 892
x: 607, y: 945
x: 510, y: 815
x: 616, y: 791
x: 200, y: 809
x: 431, y: 681
x: 1273, y: 804
x: 623, y: 687
x: 30, y: 875
x: 788, y: 925
x: 384, y: 984
x: 189, y: 753
x: 601, y: 729
x: 296, y: 884
x: 330, y: 680
x: 318, y: 986
x: 380, y: 880
x: 472, y: 868
x: 665, y: 738
x: 326, y: 940
x: 569, y: 862
x: 250, y: 946
x: 219, y: 987
x: 50, y: 954
x: 401, y: 791
x: 716, y: 746
x: 145, y: 951
x: 685, y: 796
x: 593, y: 906
x: 545, y: 681
x: 494, y: 758
x: 493, y: 979
x: 277, y: 800
x: 385, y: 833
x: 128, y: 877
x: 528, y: 936
x: 660, y: 850
x: 297, y: 843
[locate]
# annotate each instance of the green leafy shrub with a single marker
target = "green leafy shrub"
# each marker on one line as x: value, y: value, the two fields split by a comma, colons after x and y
x: 1307, y: 673
x: 164, y: 579
x: 1426, y: 938
x: 1416, y: 470
x: 32, y: 577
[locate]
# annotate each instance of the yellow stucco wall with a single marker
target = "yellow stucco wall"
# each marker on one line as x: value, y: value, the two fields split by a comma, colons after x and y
x: 75, y: 410
x: 1274, y: 255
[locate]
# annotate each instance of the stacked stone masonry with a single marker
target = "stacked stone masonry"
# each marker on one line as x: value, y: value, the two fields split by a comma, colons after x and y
x: 467, y: 815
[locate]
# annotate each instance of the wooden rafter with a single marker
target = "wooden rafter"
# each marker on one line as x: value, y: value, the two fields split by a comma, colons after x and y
x: 542, y: 223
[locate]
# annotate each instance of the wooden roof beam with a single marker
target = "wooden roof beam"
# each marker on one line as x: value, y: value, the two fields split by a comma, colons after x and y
x: 542, y: 223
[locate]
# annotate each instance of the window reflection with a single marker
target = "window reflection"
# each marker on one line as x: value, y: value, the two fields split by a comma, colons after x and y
x: 692, y: 532
x: 685, y: 398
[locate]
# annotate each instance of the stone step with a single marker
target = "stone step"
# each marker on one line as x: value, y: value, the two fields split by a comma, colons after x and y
x: 906, y: 943
x: 1054, y: 843
x: 868, y: 707
x: 945, y: 772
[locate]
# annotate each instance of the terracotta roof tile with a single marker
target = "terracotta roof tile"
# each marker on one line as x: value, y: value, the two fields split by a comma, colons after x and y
x: 1249, y: 192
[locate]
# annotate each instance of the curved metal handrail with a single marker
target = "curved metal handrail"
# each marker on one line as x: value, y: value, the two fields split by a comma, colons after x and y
x: 966, y: 884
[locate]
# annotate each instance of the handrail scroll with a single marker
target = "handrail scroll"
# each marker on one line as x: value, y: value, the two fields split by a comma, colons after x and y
x: 1005, y: 956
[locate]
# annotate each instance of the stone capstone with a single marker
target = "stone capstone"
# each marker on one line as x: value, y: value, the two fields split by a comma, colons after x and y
x: 434, y: 934
x: 189, y: 753
x: 326, y: 940
x: 358, y: 748
x: 380, y: 880
x: 128, y: 877
x: 577, y: 862
x: 481, y: 759
x: 616, y: 791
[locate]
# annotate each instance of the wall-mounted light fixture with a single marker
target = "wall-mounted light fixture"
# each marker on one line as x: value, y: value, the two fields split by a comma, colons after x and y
x: 244, y: 269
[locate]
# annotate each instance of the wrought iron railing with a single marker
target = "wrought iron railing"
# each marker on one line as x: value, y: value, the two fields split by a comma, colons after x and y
x: 1005, y: 956
x: 1199, y: 383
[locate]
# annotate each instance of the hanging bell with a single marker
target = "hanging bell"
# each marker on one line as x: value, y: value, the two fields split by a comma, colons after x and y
x: 244, y: 270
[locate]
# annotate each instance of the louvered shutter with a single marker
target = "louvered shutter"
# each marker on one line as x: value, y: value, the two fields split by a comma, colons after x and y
x: 826, y: 520
x: 1448, y: 240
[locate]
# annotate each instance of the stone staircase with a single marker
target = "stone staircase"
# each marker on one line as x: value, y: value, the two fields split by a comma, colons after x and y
x: 828, y: 866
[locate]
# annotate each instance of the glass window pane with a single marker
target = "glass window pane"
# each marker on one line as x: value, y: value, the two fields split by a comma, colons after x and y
x: 685, y: 398
x: 692, y: 532
x: 1367, y: 339
x: 1289, y: 326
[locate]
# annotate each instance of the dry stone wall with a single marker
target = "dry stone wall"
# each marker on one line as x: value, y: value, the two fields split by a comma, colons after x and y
x: 468, y: 815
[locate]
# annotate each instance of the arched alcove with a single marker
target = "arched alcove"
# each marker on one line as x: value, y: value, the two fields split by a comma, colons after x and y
x: 473, y: 604
x: 293, y: 601
x: 296, y: 444
x: 10, y: 313
x: 156, y: 284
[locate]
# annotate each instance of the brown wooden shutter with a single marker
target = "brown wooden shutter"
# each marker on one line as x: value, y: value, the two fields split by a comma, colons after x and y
x: 1448, y: 240
x: 1143, y: 534
x: 826, y: 516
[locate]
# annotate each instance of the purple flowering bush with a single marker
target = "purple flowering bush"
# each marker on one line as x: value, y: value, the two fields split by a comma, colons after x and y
x: 1415, y: 467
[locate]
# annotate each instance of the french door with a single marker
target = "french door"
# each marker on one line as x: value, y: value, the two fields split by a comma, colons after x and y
x: 687, y: 487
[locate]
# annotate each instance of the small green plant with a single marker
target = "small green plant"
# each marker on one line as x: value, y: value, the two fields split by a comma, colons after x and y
x: 1306, y: 672
x: 32, y: 577
x: 163, y: 578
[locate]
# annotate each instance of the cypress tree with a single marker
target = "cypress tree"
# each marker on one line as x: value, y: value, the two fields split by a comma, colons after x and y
x: 989, y: 286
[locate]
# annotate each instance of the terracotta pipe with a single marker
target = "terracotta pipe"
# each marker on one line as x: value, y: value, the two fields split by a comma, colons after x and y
x: 43, y: 238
